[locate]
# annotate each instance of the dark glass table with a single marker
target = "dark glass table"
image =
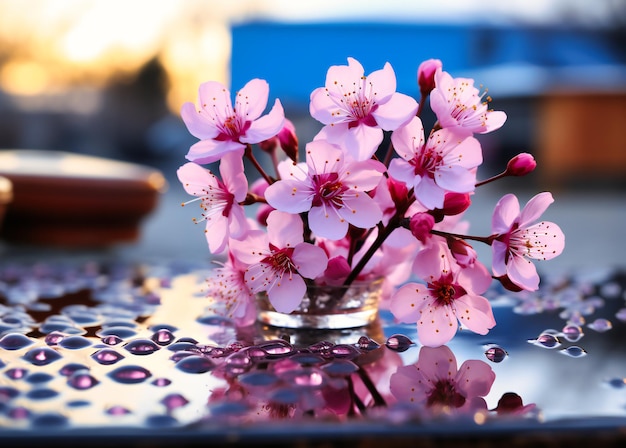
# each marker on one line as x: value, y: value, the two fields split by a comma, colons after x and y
x: 95, y: 351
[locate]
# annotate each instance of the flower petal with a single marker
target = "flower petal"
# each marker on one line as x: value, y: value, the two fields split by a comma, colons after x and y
x: 326, y: 223
x: 360, y: 210
x: 504, y: 214
x: 209, y: 151
x: 523, y: 273
x: 196, y: 179
x: 475, y: 313
x: 436, y: 326
x: 409, y: 139
x: 251, y: 100
x: 286, y: 293
x: 407, y: 302
x: 397, y: 111
x: 474, y: 378
x: 267, y: 126
x: 310, y: 260
x: 534, y: 208
x: 197, y: 123
x: 383, y: 83
x: 233, y: 176
x: 291, y: 196
x: 362, y: 141
x: 437, y: 363
x: 284, y: 229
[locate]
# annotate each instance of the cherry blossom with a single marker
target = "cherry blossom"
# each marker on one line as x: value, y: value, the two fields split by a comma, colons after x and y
x: 356, y: 108
x: 450, y: 295
x: 223, y: 128
x: 219, y: 199
x: 436, y: 383
x: 229, y: 294
x: 460, y: 106
x: 446, y: 162
x: 279, y: 259
x: 517, y: 239
x: 333, y: 190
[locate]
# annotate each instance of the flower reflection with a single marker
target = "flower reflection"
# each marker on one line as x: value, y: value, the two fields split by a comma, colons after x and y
x: 435, y: 383
x: 331, y: 382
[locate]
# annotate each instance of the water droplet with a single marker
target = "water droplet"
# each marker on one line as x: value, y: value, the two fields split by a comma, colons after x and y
x: 41, y: 394
x: 398, y: 343
x: 617, y: 383
x: 68, y: 369
x: 78, y: 403
x: 576, y: 319
x: 112, y: 340
x: 8, y: 393
x: 75, y: 342
x: 82, y: 380
x: 574, y: 351
x: 163, y: 336
x: 344, y: 351
x: 256, y: 353
x: 310, y: 377
x: 496, y: 354
x: 120, y: 332
x: 49, y: 420
x: 41, y: 356
x: 367, y: 344
x: 19, y: 413
x: 611, y: 290
x: 195, y: 364
x: 340, y: 367
x: 174, y: 401
x: 130, y: 374
x: 621, y: 314
x: 600, y: 325
x: 572, y: 333
x: 141, y: 347
x: 284, y: 395
x: 306, y: 358
x: 546, y: 340
x: 182, y: 346
x: 323, y: 348
x: 39, y: 377
x: 107, y: 356
x: 16, y: 373
x: 216, y: 321
x: 15, y: 341
x: 54, y: 338
x: 161, y: 421
x: 117, y: 410
x: 161, y: 382
x: 276, y: 348
x: 239, y: 359
x: 261, y: 379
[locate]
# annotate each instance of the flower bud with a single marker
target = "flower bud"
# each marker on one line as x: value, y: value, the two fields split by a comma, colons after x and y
x: 286, y: 139
x: 455, y: 203
x: 399, y: 193
x: 426, y: 75
x: 463, y: 252
x: 420, y: 225
x: 521, y: 164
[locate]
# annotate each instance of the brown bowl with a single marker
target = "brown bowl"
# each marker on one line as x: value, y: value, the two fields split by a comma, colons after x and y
x: 66, y: 199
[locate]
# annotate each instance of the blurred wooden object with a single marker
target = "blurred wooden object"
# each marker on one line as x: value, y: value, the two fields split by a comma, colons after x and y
x: 71, y: 200
x: 581, y: 137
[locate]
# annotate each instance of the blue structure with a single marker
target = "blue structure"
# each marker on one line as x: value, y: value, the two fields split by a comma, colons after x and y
x: 294, y: 58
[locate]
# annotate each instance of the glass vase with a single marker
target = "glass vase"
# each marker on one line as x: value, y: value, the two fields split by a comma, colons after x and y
x: 327, y: 307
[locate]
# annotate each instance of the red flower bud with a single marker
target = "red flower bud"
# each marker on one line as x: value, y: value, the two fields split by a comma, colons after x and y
x: 399, y: 193
x: 421, y: 224
x: 463, y: 252
x: 455, y: 203
x: 521, y: 164
x: 426, y: 75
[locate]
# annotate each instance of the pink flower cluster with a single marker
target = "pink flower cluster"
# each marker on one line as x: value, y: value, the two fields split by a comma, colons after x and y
x: 349, y: 211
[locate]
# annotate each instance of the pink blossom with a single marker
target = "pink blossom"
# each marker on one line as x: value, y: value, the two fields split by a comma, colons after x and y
x: 356, y: 108
x: 451, y: 294
x: 222, y: 128
x: 460, y: 106
x: 219, y: 199
x: 279, y: 259
x: 332, y: 190
x: 421, y: 224
x: 426, y: 75
x: 435, y: 383
x: 229, y: 293
x: 444, y: 163
x: 286, y: 139
x: 517, y: 239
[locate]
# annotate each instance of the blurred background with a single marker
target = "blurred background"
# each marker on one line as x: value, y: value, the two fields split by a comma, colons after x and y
x: 108, y: 79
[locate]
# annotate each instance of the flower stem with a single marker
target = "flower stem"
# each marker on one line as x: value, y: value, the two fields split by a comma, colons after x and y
x: 483, y: 239
x: 248, y: 153
x: 491, y: 179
